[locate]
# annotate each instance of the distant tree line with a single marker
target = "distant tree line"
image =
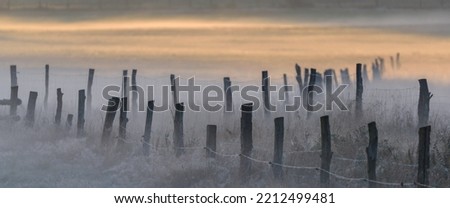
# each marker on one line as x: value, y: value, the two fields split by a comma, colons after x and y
x: 217, y: 4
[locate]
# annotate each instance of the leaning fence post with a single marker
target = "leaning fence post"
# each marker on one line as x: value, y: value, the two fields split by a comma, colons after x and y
x: 148, y: 127
x: 80, y: 118
x: 278, y: 148
x: 424, y: 156
x: 211, y: 145
x: 424, y: 103
x: 59, y: 103
x: 371, y: 152
x: 246, y: 141
x: 123, y: 120
x: 178, y: 130
x: 326, y: 153
x: 113, y: 105
x: 228, y: 94
x: 359, y: 90
x: 47, y: 77
x: 29, y: 117
x: 310, y: 95
x: 89, y: 90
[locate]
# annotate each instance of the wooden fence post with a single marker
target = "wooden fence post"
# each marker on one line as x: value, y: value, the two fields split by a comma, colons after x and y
x: 113, y: 106
x: 246, y: 141
x: 398, y: 61
x: 14, y: 101
x: 424, y: 156
x: 125, y: 83
x: 265, y: 90
x: 148, y: 127
x: 134, y: 92
x: 59, y: 103
x: 328, y: 88
x: 326, y: 153
x: 371, y: 152
x: 306, y: 81
x: 359, y: 91
x: 310, y: 96
x: 123, y: 120
x: 80, y: 118
x: 178, y: 134
x: 13, y: 72
x: 174, y: 89
x: 47, y: 77
x: 29, y: 117
x: 228, y: 94
x: 298, y: 77
x: 365, y: 74
x: 424, y: 103
x: 278, y: 148
x: 89, y: 89
x: 69, y: 122
x: 285, y: 88
x: 211, y: 145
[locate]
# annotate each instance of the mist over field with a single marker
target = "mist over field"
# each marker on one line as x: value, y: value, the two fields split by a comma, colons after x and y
x: 211, y: 42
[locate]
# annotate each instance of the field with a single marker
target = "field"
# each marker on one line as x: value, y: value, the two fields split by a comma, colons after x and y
x: 209, y: 46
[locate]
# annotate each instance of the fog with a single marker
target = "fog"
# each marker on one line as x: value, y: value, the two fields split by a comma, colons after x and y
x: 209, y: 44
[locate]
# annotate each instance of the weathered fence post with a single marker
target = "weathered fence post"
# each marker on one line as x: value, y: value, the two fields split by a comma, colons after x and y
x: 228, y: 94
x: 306, y: 83
x: 59, y: 103
x: 80, y: 118
x: 371, y: 152
x: 328, y: 88
x: 13, y: 72
x: 69, y: 122
x: 265, y: 90
x: 14, y: 101
x: 278, y: 148
x: 29, y: 117
x: 365, y: 74
x: 123, y: 120
x: 310, y: 95
x: 113, y: 105
x: 178, y: 135
x: 211, y: 145
x: 125, y: 83
x: 398, y: 61
x: 148, y: 127
x: 345, y: 77
x: 134, y: 92
x: 424, y: 156
x: 174, y: 89
x: 326, y: 153
x: 298, y: 77
x: 47, y: 77
x: 359, y: 91
x: 246, y: 141
x: 285, y: 88
x: 424, y: 103
x: 89, y: 90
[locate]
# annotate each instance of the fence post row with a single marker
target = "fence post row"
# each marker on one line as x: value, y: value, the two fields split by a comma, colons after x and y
x: 211, y: 144
x: 424, y: 156
x: 148, y: 127
x: 326, y: 153
x: 113, y: 106
x: 81, y: 109
x: 246, y: 138
x: 278, y: 148
x: 59, y: 103
x: 371, y: 152
x: 178, y: 135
